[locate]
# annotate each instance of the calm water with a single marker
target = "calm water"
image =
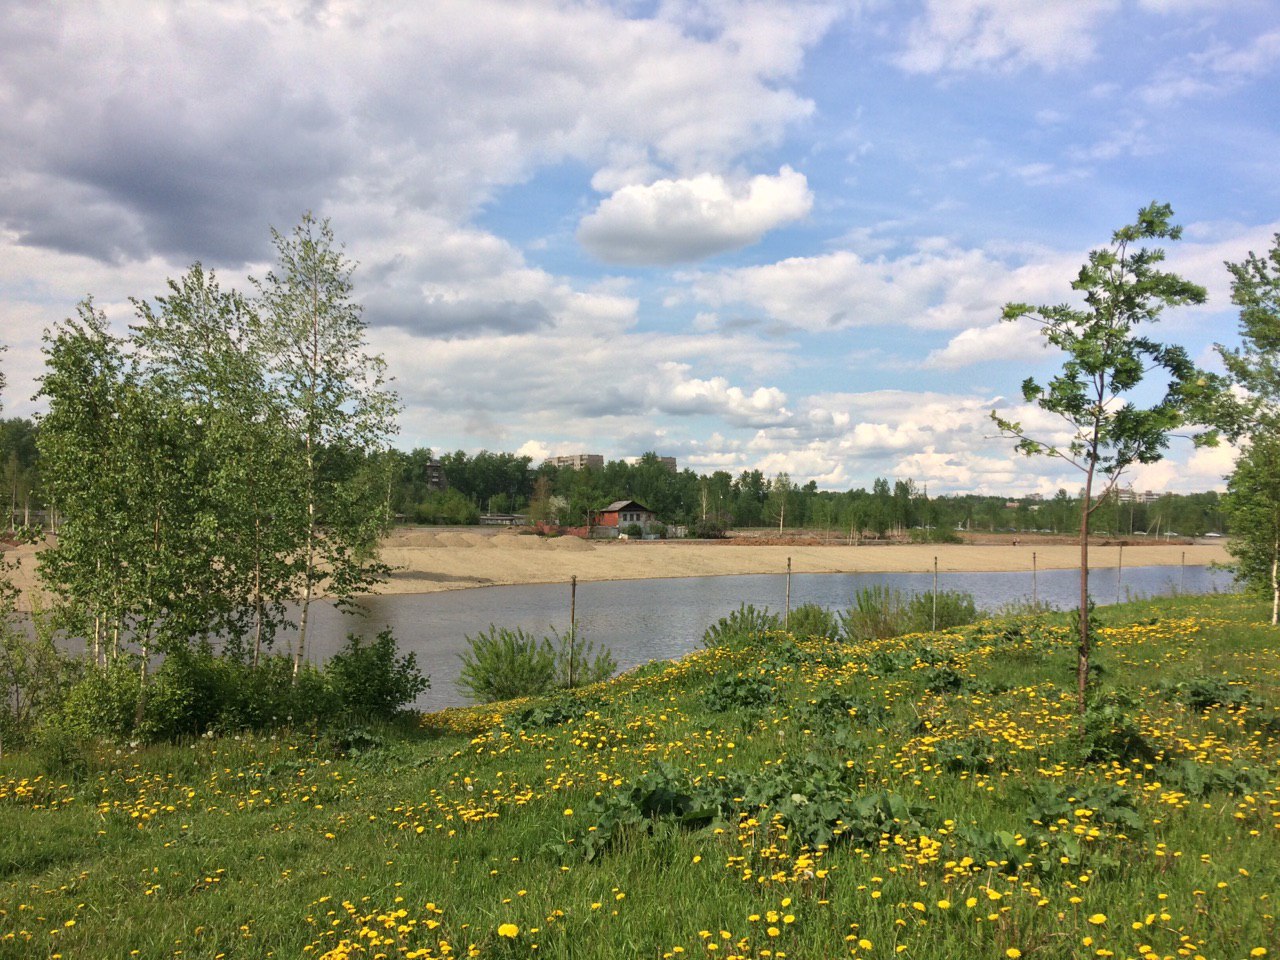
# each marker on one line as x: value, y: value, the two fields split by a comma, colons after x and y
x: 644, y: 620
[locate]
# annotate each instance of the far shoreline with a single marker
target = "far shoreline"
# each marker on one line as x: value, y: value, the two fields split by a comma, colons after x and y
x: 427, y: 560
x: 432, y: 560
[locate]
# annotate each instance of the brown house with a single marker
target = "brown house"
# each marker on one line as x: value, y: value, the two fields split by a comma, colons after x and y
x: 620, y: 513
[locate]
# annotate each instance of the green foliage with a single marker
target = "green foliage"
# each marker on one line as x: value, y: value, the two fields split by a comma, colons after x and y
x: 1107, y: 358
x: 1203, y: 693
x: 448, y: 507
x: 817, y: 800
x: 879, y: 612
x: 935, y: 535
x: 370, y: 681
x: 196, y: 692
x: 578, y: 662
x: 746, y: 625
x: 34, y: 675
x: 549, y: 712
x: 707, y: 528
x: 1110, y: 734
x: 1253, y: 507
x: 738, y: 691
x: 503, y: 664
x: 811, y: 620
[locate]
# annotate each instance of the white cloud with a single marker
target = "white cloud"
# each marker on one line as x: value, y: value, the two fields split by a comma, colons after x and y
x: 938, y: 286
x: 1214, y: 72
x: 673, y: 221
x: 956, y: 36
x: 1001, y: 341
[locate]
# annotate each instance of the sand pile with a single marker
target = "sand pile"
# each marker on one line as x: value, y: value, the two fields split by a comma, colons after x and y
x: 425, y: 540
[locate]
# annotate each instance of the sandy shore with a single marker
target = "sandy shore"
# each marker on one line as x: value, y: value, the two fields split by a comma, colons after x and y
x: 424, y: 561
x: 427, y: 561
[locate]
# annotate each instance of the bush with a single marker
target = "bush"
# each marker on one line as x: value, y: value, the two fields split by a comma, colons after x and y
x: 104, y: 702
x: 34, y: 675
x: 633, y: 530
x: 504, y: 664
x: 707, y: 529
x: 935, y: 535
x: 368, y: 679
x: 955, y: 608
x: 811, y: 620
x: 879, y: 612
x: 579, y: 663
x: 745, y: 625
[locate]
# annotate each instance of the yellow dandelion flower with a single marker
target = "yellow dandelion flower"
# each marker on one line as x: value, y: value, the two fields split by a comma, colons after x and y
x: 508, y: 930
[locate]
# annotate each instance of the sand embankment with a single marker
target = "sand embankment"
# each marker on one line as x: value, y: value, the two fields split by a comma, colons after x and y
x: 425, y: 562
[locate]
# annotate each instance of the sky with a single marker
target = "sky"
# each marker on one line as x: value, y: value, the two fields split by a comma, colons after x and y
x: 749, y: 235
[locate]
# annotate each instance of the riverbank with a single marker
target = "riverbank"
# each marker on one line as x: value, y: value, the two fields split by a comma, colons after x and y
x: 426, y: 561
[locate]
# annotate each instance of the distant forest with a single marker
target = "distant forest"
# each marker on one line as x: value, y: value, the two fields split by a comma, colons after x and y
x: 491, y: 483
x: 496, y: 483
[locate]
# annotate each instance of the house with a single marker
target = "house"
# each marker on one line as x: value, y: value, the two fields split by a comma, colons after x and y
x: 621, y: 514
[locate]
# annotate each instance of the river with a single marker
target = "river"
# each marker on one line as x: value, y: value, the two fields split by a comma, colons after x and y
x: 644, y: 620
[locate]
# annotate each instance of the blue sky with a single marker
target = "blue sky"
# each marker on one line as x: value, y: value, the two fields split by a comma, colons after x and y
x: 746, y: 234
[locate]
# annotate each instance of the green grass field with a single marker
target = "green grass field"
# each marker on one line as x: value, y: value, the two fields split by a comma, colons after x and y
x: 930, y: 796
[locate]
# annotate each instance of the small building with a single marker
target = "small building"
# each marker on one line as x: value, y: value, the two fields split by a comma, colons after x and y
x: 623, y: 513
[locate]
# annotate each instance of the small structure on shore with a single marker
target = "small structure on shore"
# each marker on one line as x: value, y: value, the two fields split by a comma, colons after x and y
x: 613, y: 519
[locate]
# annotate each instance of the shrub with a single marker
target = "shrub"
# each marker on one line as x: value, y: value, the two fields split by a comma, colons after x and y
x: 503, y: 664
x: 954, y: 608
x: 877, y: 612
x: 34, y: 675
x: 935, y: 535
x: 633, y: 530
x: 880, y: 611
x: 579, y: 663
x: 104, y: 702
x: 707, y: 529
x: 811, y: 620
x: 370, y: 681
x: 746, y: 625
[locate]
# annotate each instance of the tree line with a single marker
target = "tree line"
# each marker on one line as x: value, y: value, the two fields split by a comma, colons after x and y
x: 706, y: 504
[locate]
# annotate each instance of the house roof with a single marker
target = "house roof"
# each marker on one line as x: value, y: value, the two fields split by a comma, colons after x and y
x: 618, y: 505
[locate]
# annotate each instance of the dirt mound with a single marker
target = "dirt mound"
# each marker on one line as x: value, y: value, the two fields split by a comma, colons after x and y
x: 454, y: 540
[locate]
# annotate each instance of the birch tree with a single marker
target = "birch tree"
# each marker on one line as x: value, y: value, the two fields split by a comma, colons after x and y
x: 336, y: 405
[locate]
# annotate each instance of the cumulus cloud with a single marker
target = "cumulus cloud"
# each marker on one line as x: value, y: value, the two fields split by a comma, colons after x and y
x: 1000, y: 341
x: 183, y: 130
x: 936, y: 286
x: 674, y: 221
x: 1001, y: 35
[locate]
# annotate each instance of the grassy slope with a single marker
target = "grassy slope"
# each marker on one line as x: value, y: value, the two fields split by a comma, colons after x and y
x: 438, y: 844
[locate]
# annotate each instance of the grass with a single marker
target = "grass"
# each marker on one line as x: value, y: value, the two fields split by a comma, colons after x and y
x: 473, y: 834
